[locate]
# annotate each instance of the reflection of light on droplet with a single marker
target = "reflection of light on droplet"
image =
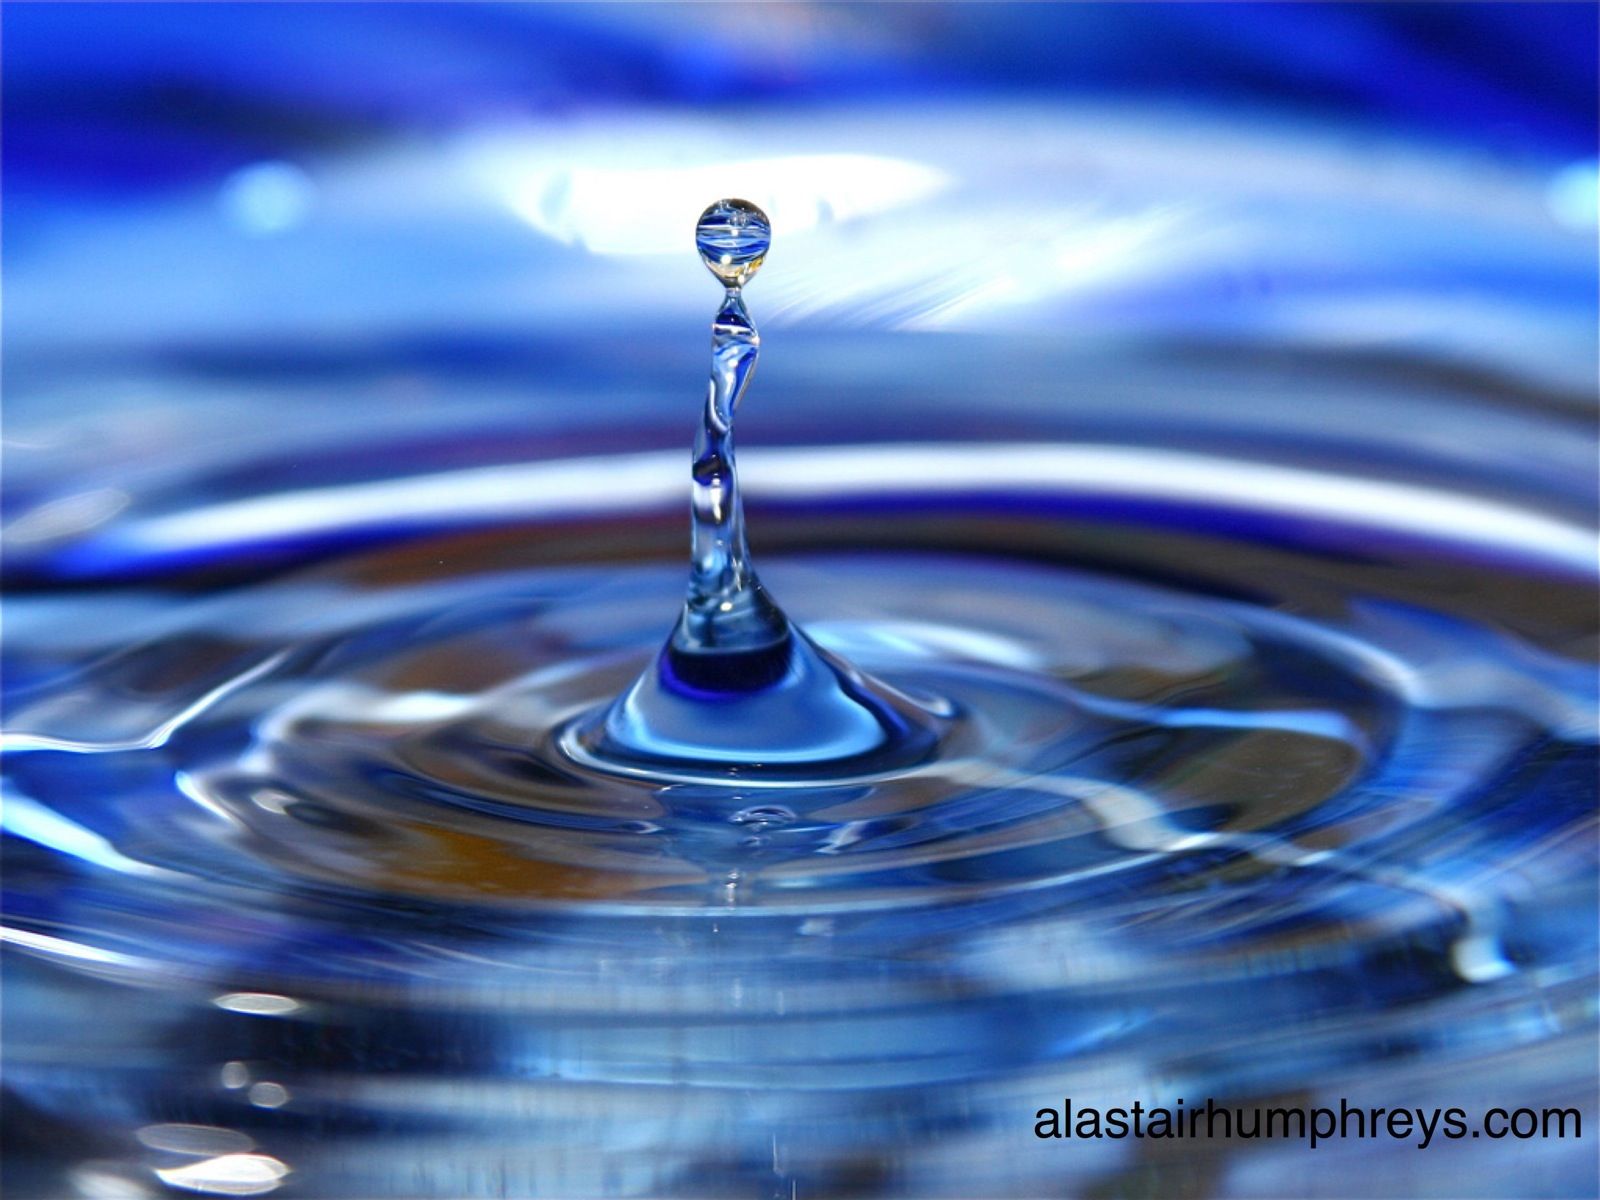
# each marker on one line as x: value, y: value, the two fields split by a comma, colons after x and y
x: 202, y: 1141
x: 235, y: 1075
x: 1573, y: 195
x: 268, y: 1095
x: 266, y: 198
x: 228, y: 1175
x: 261, y: 1004
x: 67, y: 515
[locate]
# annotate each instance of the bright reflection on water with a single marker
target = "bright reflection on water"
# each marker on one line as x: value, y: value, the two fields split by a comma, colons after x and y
x: 1253, y: 574
x: 633, y: 210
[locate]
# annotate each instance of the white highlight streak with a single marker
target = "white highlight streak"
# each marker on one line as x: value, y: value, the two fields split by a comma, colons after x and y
x: 568, y: 487
x: 158, y: 736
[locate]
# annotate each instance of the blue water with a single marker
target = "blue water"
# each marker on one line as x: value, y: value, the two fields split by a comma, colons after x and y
x: 738, y: 692
x: 318, y: 830
x: 1198, y: 718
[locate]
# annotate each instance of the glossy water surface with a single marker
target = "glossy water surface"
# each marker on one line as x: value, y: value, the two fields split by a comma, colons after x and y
x: 1253, y: 688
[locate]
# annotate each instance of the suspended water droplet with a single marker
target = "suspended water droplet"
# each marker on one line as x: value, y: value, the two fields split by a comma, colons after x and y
x: 733, y: 237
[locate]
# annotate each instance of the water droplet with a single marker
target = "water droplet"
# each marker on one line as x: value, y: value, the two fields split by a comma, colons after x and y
x: 733, y: 237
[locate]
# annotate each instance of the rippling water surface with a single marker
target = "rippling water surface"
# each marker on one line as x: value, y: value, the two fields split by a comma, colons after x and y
x: 1262, y: 684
